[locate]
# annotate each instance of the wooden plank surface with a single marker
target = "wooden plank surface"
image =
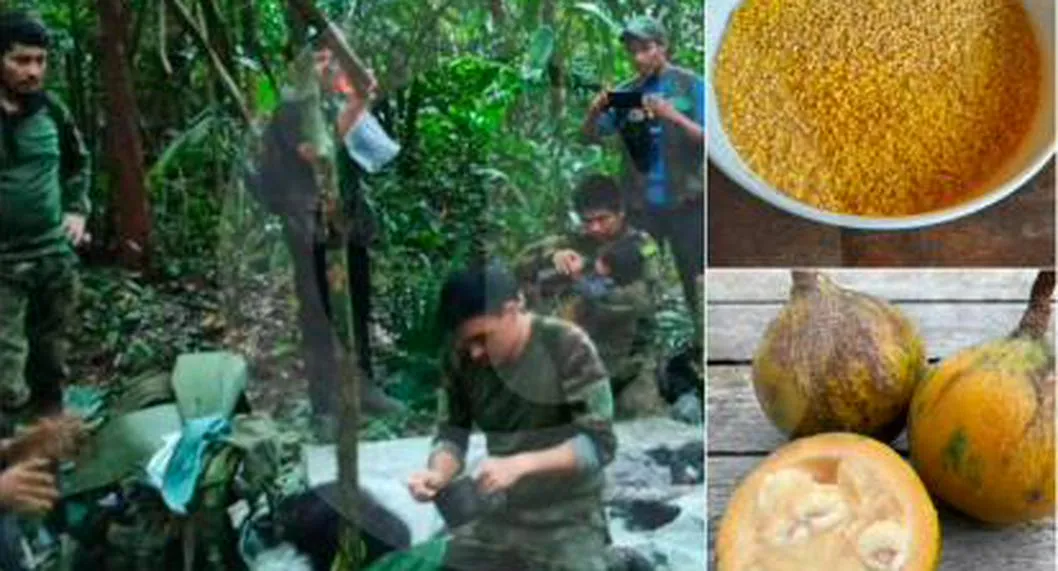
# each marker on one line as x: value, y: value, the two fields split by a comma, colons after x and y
x: 968, y: 546
x: 952, y: 309
x: 1018, y: 231
x: 746, y: 232
x: 735, y: 330
x: 727, y: 286
x: 737, y: 424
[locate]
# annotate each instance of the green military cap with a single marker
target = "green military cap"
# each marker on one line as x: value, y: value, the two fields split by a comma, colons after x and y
x: 644, y: 28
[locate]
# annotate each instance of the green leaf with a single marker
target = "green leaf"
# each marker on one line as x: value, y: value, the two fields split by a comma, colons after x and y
x: 541, y: 47
x: 267, y: 97
x: 599, y: 13
x: 192, y: 136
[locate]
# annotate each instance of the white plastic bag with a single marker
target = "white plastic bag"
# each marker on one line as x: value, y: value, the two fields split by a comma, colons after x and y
x: 369, y: 145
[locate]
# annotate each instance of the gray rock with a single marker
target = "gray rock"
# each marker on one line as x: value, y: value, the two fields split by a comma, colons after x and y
x: 688, y: 408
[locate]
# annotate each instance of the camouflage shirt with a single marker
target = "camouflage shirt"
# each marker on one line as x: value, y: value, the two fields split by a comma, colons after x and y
x: 557, y: 391
x: 621, y: 323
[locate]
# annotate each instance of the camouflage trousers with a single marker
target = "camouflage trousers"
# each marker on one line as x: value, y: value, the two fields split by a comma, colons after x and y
x: 37, y: 304
x: 491, y: 545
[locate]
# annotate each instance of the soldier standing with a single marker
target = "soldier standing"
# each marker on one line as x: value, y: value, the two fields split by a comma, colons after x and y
x: 44, y: 180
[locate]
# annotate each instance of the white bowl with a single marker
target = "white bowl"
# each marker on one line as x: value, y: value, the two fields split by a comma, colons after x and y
x: 1030, y: 158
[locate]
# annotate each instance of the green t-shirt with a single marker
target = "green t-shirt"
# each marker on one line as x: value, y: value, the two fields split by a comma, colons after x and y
x: 44, y: 178
x: 556, y: 390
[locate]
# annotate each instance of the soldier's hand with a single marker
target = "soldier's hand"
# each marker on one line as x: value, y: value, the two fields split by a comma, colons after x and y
x: 498, y: 474
x: 58, y: 438
x: 600, y: 103
x: 425, y: 484
x: 659, y: 107
x: 28, y: 487
x: 568, y: 262
x: 74, y: 226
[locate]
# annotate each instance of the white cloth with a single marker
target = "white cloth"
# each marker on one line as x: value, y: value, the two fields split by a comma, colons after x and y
x: 368, y: 144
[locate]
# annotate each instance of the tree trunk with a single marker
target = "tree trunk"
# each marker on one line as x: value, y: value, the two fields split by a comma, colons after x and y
x: 129, y: 205
x: 299, y: 32
x: 411, y: 125
x: 556, y: 67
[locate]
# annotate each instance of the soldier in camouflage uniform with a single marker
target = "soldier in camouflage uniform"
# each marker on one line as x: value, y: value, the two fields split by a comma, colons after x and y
x: 43, y: 206
x: 537, y: 389
x: 621, y: 323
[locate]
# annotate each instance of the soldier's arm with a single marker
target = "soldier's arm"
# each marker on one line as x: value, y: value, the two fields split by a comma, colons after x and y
x: 693, y: 123
x: 622, y: 304
x: 587, y: 389
x: 537, y: 257
x: 448, y: 454
x: 600, y: 121
x: 356, y: 104
x: 586, y: 386
x: 636, y: 299
x: 74, y: 165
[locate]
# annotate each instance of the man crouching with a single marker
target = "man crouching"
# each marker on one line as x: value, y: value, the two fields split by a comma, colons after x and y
x: 536, y: 387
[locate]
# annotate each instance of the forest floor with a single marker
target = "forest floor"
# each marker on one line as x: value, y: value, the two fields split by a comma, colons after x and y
x: 129, y: 326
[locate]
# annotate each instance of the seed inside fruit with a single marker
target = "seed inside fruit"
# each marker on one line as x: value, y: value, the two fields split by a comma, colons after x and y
x: 822, y: 509
x: 832, y: 511
x: 779, y: 486
x: 883, y: 546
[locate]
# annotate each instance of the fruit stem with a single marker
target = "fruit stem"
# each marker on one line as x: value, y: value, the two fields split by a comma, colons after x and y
x: 1037, y: 317
x: 805, y: 281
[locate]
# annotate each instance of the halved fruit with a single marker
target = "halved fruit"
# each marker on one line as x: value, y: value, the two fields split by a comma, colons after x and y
x: 834, y: 502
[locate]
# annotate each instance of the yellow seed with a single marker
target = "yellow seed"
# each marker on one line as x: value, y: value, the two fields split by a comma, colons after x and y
x: 879, y: 107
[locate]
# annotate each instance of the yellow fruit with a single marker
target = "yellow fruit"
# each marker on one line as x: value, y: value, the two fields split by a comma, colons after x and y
x: 836, y: 360
x: 830, y: 501
x: 981, y: 427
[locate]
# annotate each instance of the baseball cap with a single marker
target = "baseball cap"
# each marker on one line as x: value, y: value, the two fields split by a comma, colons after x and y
x: 644, y: 28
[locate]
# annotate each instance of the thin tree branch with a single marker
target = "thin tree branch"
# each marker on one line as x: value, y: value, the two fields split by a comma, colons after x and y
x: 347, y: 58
x: 163, y: 46
x: 203, y: 43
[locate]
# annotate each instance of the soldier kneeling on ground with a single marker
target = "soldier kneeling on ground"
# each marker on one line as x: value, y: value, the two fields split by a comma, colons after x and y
x: 560, y: 275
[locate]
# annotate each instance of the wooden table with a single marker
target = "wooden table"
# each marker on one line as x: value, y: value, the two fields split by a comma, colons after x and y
x: 953, y: 309
x: 1016, y: 232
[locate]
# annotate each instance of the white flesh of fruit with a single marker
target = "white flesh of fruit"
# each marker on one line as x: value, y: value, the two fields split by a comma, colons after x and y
x: 834, y: 518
